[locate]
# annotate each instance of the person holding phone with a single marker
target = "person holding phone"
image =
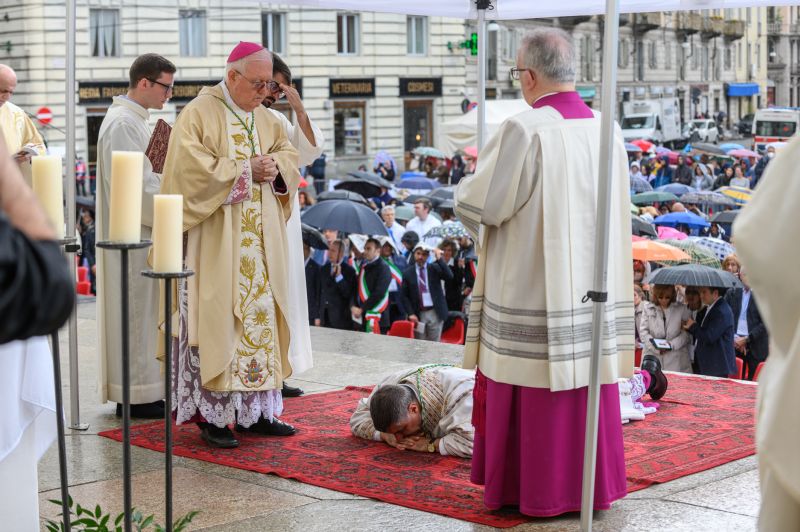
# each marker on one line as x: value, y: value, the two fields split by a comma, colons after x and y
x: 661, y: 329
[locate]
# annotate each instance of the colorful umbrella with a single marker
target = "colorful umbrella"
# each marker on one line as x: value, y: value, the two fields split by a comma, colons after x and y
x: 427, y: 151
x: 718, y: 247
x: 448, y: 230
x: 634, y: 209
x: 661, y: 150
x: 688, y: 219
x: 651, y: 250
x: 743, y: 153
x: 645, y: 145
x: 740, y: 195
x: 632, y: 148
x: 731, y: 146
x: 472, y: 151
x: 668, y: 233
x: 697, y: 254
x: 646, y: 198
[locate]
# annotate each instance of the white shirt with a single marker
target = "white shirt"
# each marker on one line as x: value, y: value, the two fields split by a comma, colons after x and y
x: 424, y: 287
x: 421, y: 228
x: 741, y: 325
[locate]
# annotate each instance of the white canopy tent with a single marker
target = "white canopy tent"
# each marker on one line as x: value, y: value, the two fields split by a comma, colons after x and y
x: 462, y: 132
x: 468, y: 9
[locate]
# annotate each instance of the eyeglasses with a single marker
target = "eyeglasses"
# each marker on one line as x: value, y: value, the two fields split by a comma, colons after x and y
x: 167, y: 88
x: 514, y: 72
x: 272, y: 85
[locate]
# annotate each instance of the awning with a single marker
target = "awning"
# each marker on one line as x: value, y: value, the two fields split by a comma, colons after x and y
x: 586, y: 93
x: 743, y: 89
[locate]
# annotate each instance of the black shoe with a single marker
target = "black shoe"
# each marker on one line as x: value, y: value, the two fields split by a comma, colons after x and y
x: 290, y: 391
x: 221, y: 438
x: 264, y: 427
x: 658, y: 381
x: 154, y: 410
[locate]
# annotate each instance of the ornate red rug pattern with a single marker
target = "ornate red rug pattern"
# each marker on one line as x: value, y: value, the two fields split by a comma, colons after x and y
x: 702, y: 424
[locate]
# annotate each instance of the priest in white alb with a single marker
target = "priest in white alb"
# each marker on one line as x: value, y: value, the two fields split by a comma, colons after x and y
x: 307, y: 138
x: 531, y: 206
x: 233, y: 163
x: 125, y: 128
x: 767, y: 226
x: 22, y: 138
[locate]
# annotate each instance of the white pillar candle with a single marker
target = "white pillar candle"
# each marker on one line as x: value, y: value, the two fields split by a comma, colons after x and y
x: 125, y: 209
x: 167, y: 233
x: 48, y: 186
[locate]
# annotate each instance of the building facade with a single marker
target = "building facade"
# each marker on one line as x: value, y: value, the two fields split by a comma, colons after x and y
x: 370, y: 81
x: 783, y: 55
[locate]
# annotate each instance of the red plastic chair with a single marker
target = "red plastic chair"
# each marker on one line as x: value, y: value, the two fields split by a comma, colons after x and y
x: 637, y: 357
x: 83, y: 273
x: 455, y: 333
x: 758, y: 370
x: 739, y: 370
x: 84, y: 288
x: 402, y: 329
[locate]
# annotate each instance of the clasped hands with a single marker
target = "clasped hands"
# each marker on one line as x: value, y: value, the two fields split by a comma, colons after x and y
x: 416, y: 442
x: 264, y: 169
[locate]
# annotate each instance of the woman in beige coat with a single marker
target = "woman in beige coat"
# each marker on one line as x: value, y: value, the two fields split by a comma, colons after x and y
x: 662, y: 319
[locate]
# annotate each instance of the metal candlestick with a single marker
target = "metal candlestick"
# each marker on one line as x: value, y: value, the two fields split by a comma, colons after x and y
x: 62, y: 442
x: 168, y: 277
x: 124, y: 248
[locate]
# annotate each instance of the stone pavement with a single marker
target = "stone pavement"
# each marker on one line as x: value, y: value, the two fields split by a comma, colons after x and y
x: 722, y: 499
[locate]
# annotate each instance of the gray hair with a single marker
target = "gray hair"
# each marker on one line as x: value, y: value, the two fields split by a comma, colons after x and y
x: 387, y: 208
x: 389, y: 405
x: 550, y: 53
x: 241, y: 64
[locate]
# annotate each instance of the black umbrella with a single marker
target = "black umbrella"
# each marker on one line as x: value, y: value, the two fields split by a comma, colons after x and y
x: 641, y: 228
x: 411, y: 198
x: 724, y: 217
x: 84, y: 202
x: 314, y: 238
x: 365, y: 188
x: 695, y: 275
x: 370, y: 178
x: 446, y: 204
x: 342, y: 195
x: 443, y: 193
x: 345, y: 216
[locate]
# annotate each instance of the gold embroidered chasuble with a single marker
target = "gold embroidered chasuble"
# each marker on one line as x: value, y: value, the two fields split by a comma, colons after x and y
x: 236, y: 241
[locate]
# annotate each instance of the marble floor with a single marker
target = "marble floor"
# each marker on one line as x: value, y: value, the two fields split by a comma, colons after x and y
x: 725, y: 498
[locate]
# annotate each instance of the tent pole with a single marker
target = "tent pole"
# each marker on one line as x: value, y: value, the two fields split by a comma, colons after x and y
x: 481, y: 74
x: 69, y: 183
x: 609, y: 92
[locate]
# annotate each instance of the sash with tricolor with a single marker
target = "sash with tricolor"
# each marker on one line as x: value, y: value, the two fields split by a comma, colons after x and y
x: 397, y: 275
x: 356, y: 265
x: 373, y: 316
x: 473, y: 268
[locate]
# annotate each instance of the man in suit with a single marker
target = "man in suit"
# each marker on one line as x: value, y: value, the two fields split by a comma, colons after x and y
x: 312, y: 286
x: 422, y: 293
x: 713, y: 351
x: 337, y: 287
x: 751, y: 339
x: 372, y: 290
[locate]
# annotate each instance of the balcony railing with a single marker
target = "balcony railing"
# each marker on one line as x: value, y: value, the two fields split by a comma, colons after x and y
x: 689, y: 23
x: 568, y: 22
x: 774, y: 27
x: 734, y: 29
x: 712, y: 27
x: 643, y: 22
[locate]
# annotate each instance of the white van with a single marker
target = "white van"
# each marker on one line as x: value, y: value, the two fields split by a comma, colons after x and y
x: 774, y: 125
x: 655, y: 120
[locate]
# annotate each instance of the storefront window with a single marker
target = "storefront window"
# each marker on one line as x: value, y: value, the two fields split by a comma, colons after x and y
x: 417, y: 118
x: 349, y: 128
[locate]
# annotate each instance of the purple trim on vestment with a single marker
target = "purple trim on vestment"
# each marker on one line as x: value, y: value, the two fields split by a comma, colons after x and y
x: 569, y: 104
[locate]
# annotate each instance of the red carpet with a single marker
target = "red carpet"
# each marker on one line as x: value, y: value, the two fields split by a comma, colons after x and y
x: 702, y: 424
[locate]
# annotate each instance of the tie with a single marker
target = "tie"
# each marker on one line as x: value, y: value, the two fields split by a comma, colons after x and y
x: 423, y: 286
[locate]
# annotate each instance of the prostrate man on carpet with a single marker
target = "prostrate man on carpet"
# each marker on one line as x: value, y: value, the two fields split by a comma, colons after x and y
x: 125, y: 128
x: 529, y: 332
x: 426, y: 409
x: 233, y: 162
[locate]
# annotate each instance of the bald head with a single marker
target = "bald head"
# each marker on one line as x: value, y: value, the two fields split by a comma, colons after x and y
x: 550, y: 54
x: 8, y: 83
